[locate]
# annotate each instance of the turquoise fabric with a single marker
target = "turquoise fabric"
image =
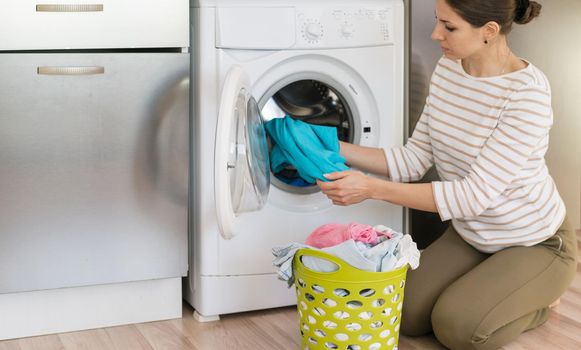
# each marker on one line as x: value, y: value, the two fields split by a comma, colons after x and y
x: 312, y: 149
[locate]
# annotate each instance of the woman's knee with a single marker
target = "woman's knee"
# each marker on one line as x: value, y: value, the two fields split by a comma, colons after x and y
x: 454, y: 325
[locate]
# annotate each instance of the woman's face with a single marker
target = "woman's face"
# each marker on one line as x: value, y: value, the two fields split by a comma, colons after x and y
x: 458, y: 39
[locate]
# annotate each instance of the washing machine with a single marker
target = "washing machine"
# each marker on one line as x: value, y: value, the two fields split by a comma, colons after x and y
x: 335, y: 63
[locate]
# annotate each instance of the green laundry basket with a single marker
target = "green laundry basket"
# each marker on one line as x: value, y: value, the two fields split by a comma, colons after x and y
x: 348, y: 309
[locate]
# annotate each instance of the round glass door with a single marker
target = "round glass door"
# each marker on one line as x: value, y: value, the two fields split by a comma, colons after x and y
x: 242, y: 165
x: 250, y: 176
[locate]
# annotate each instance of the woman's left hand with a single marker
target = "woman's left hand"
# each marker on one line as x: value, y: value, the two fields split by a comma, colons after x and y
x: 347, y: 187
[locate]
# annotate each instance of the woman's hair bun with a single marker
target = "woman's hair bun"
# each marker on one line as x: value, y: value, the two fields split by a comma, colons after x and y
x: 526, y: 11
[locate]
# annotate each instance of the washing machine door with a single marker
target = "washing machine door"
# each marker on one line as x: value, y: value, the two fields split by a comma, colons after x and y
x: 242, y: 166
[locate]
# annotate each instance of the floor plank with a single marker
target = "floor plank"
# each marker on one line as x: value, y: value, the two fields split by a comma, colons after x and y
x: 97, y: 339
x: 164, y: 335
x: 49, y: 342
x: 128, y: 338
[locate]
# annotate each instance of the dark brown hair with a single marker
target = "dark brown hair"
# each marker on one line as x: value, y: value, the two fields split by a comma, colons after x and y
x: 503, y: 12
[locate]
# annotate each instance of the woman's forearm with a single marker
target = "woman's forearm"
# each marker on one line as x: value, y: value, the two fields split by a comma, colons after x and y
x: 416, y: 196
x: 368, y: 159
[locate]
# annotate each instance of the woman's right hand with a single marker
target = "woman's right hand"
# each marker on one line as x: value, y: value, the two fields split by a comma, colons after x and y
x: 347, y: 187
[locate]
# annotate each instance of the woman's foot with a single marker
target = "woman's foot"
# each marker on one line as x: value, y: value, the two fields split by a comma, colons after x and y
x: 555, y: 303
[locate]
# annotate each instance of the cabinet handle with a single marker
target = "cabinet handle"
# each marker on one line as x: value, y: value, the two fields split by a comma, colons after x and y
x: 70, y: 70
x: 69, y: 8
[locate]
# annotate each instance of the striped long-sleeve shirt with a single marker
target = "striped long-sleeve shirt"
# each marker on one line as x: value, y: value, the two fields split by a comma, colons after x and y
x: 487, y: 138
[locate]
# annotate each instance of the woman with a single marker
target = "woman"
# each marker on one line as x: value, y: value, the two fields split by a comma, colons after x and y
x: 510, y: 251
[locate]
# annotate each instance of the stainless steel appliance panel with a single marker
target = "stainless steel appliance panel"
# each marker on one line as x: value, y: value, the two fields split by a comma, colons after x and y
x: 70, y: 24
x: 93, y: 168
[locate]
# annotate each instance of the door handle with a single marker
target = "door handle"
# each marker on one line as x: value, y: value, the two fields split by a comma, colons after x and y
x: 70, y: 70
x: 69, y: 8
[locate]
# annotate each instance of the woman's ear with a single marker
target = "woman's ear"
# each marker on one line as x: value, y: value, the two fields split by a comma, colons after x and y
x: 490, y: 31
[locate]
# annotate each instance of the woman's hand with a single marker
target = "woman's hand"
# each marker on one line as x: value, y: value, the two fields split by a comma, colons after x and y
x: 347, y: 187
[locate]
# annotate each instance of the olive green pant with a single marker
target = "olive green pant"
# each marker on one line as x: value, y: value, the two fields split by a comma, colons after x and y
x: 473, y: 300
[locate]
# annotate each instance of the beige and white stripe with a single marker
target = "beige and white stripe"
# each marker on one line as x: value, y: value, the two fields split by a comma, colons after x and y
x: 487, y: 138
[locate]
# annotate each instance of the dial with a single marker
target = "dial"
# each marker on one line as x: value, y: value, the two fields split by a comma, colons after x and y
x: 313, y: 31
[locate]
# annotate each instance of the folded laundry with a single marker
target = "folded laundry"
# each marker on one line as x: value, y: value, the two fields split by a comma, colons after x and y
x: 391, y: 252
x: 312, y: 149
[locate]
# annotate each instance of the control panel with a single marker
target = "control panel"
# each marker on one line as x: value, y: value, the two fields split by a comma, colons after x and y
x: 337, y: 27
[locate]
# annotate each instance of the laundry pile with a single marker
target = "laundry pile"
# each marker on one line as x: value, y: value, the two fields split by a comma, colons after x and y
x: 376, y: 249
x: 312, y: 149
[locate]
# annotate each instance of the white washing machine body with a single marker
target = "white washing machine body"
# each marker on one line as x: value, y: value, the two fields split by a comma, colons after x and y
x: 250, y: 50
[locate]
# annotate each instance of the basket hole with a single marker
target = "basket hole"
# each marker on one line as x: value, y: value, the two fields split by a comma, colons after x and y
x: 395, y: 298
x: 305, y: 327
x: 309, y: 297
x: 300, y: 313
x: 367, y: 292
x: 396, y: 327
x: 303, y: 305
x: 313, y: 340
x: 329, y: 302
x: 330, y: 345
x: 307, y: 347
x: 353, y: 347
x: 311, y: 319
x: 353, y: 327
x: 341, y: 337
x: 354, y: 304
x: 301, y: 283
x: 389, y: 289
x: 402, y: 283
x: 386, y: 312
x: 399, y: 306
x: 378, y: 302
x: 341, y: 315
x: 391, y: 341
x: 330, y: 324
x: 319, y: 333
x: 366, y: 315
x: 375, y: 346
x: 319, y: 311
x: 318, y: 289
x: 341, y: 292
x: 376, y: 324
x: 385, y: 333
x: 393, y: 320
x: 364, y: 337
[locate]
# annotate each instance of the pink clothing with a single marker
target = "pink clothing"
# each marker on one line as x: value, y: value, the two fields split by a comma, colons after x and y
x: 332, y: 234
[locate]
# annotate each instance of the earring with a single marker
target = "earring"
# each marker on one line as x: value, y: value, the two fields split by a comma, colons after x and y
x: 485, y: 41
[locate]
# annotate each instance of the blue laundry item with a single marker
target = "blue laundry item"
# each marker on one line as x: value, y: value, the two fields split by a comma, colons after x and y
x: 312, y: 149
x: 296, y: 181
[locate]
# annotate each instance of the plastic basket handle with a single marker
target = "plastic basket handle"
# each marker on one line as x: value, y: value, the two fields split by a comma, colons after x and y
x: 342, y: 266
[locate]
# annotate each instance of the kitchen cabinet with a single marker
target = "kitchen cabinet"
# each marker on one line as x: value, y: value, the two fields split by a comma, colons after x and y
x: 94, y: 170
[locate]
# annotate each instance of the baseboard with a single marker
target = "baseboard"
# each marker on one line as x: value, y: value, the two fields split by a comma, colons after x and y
x: 72, y: 309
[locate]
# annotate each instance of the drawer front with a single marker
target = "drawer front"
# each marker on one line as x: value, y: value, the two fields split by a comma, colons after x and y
x: 93, y: 168
x: 85, y: 24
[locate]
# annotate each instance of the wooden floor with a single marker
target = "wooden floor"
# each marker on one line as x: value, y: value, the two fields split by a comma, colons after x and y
x: 277, y: 330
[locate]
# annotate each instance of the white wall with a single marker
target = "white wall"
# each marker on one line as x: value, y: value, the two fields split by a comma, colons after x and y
x: 553, y: 43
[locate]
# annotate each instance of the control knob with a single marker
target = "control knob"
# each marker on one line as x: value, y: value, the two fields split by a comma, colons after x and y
x: 313, y: 31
